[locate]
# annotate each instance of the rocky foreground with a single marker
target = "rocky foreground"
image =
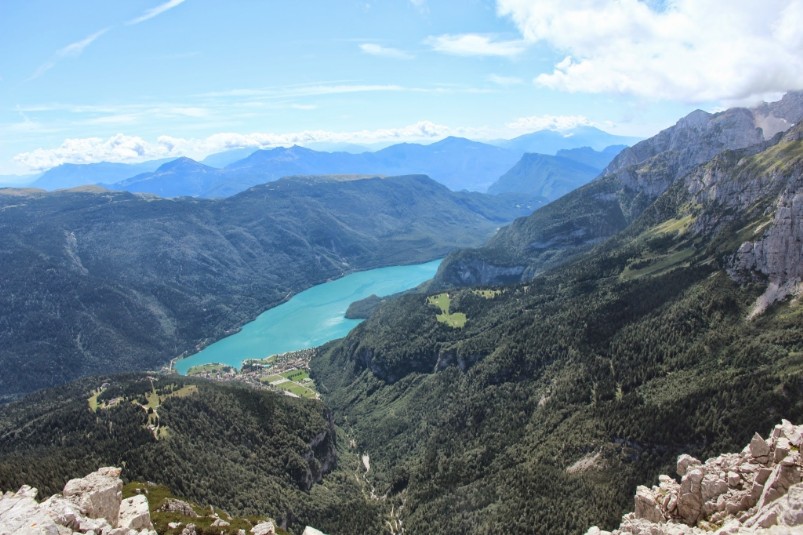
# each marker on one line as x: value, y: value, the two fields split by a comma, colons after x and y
x: 759, y: 490
x: 90, y: 505
x: 93, y: 505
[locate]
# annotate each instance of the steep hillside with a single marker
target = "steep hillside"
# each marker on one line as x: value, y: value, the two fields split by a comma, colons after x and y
x: 545, y: 177
x: 634, y: 179
x: 508, y: 406
x: 249, y: 452
x: 98, y: 281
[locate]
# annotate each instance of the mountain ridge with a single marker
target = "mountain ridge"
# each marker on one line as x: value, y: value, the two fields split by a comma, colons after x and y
x: 116, y: 280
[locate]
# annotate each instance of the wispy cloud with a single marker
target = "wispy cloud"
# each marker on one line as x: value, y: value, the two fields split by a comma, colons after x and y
x: 474, y: 44
x: 374, y: 49
x: 304, y: 90
x: 73, y: 50
x: 421, y: 6
x: 155, y: 11
x: 504, y: 80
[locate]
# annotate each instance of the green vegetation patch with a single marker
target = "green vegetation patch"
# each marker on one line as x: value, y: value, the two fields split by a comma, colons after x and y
x: 296, y: 375
x: 455, y: 320
x: 487, y: 294
x: 677, y: 226
x: 158, y: 495
x: 208, y: 368
x: 653, y: 266
x: 273, y: 379
x: 297, y: 389
x: 93, y: 400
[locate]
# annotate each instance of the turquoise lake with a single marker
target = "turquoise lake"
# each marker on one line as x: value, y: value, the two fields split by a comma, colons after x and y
x: 310, y: 318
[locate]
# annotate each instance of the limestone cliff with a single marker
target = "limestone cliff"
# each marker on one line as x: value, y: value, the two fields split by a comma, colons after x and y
x: 575, y: 223
x: 93, y: 504
x: 759, y: 490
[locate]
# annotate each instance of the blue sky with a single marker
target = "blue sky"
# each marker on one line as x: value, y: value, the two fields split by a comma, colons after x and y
x: 102, y: 80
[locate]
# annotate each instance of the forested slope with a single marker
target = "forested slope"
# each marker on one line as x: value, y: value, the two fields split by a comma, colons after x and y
x: 559, y: 395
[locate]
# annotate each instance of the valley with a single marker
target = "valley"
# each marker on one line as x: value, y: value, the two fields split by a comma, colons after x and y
x: 369, y: 351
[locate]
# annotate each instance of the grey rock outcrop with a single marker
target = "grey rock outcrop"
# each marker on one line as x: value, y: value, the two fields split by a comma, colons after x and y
x: 759, y: 490
x: 92, y: 504
x: 264, y: 528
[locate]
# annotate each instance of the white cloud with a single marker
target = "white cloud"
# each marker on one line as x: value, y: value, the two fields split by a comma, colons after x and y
x: 421, y: 6
x: 473, y: 44
x: 504, y: 80
x: 155, y: 11
x: 73, y: 50
x: 686, y: 50
x: 124, y: 148
x: 303, y: 91
x: 374, y: 49
x: 559, y: 123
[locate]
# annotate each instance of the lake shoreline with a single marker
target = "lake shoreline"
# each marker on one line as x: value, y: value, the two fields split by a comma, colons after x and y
x: 308, y: 318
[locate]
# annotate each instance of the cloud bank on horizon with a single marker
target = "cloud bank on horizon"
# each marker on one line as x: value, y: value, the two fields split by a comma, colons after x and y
x: 546, y: 64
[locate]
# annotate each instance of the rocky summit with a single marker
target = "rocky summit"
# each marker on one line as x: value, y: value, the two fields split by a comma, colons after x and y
x: 90, y: 505
x: 759, y: 490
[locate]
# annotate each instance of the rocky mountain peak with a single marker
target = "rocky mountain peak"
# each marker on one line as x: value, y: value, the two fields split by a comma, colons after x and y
x: 92, y: 504
x: 759, y: 490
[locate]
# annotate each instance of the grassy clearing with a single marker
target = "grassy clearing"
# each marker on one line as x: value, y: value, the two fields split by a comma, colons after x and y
x: 296, y: 375
x: 93, y: 400
x: 297, y: 389
x: 673, y: 226
x: 456, y: 320
x: 273, y: 379
x: 157, y: 494
x: 207, y: 368
x: 657, y: 265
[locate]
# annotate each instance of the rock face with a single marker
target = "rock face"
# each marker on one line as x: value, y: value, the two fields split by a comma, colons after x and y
x: 90, y: 504
x: 759, y: 490
x: 578, y: 221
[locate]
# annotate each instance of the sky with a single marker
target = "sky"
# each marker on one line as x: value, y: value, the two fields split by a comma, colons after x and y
x: 133, y: 80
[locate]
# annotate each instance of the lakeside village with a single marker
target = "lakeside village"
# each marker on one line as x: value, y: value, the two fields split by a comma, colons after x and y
x: 287, y: 373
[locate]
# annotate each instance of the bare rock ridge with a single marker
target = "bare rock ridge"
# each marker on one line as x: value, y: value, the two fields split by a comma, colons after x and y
x: 90, y: 505
x: 634, y: 179
x: 759, y: 490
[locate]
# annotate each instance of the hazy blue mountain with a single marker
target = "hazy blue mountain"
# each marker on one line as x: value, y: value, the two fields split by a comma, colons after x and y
x: 16, y: 181
x: 70, y: 175
x: 543, y: 176
x: 458, y: 163
x: 551, y: 141
x: 588, y: 156
x: 179, y: 177
x: 222, y: 159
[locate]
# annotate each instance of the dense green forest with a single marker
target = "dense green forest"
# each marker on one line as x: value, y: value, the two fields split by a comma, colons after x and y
x: 561, y: 394
x: 99, y: 282
x: 249, y: 452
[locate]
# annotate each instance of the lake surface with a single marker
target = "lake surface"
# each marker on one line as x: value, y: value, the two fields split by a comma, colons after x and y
x: 310, y: 318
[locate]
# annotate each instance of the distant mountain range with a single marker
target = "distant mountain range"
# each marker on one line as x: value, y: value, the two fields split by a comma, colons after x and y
x: 96, y: 280
x: 551, y: 141
x: 457, y: 163
x: 70, y: 175
x: 652, y: 312
x: 549, y: 177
